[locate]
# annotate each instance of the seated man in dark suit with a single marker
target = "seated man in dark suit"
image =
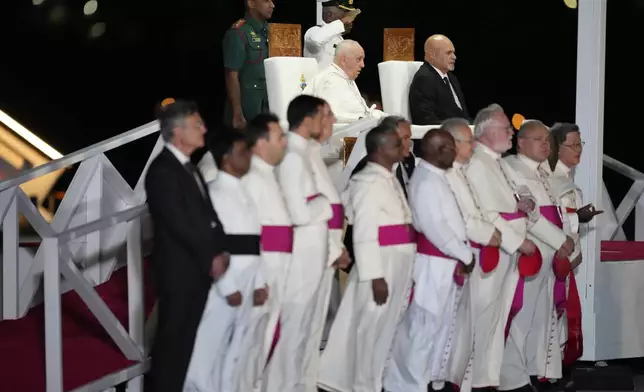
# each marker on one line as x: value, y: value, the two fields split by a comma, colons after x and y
x: 403, y: 170
x: 189, y: 243
x: 435, y: 94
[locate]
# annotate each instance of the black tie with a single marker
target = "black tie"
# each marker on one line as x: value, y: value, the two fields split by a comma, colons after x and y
x: 193, y: 170
x: 446, y: 81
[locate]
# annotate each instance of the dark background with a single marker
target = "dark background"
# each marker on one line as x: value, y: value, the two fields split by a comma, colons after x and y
x: 74, y: 91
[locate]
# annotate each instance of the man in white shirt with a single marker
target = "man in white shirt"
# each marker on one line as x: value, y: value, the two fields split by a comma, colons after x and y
x: 338, y: 257
x: 222, y: 343
x: 310, y: 211
x: 336, y: 84
x: 506, y: 205
x: 268, y: 143
x: 320, y: 41
x: 423, y: 344
x: 378, y: 288
x: 485, y: 240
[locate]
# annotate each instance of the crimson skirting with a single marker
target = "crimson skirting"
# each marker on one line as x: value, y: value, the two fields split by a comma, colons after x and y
x: 88, y: 351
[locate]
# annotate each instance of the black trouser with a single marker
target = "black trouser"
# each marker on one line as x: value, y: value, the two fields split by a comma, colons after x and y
x: 179, y: 316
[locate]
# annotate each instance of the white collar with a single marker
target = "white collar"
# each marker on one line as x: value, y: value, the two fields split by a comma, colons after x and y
x: 563, y: 168
x: 428, y: 166
x: 261, y: 164
x: 458, y: 165
x: 297, y: 142
x: 378, y: 168
x: 532, y: 164
x: 440, y: 73
x: 482, y: 147
x: 181, y: 157
x: 226, y: 180
x: 341, y: 72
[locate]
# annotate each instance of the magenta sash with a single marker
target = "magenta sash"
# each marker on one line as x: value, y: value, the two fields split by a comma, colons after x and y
x: 510, y: 216
x: 277, y: 239
x: 391, y: 235
x: 337, y: 220
x: 517, y: 300
x: 551, y: 213
x: 517, y: 304
x: 309, y: 198
x: 427, y: 248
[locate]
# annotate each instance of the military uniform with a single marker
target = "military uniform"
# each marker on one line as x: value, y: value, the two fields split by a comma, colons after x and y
x: 245, y: 47
x: 320, y: 41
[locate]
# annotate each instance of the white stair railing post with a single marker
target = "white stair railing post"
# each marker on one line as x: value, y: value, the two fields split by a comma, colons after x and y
x: 10, y: 272
x: 53, y: 327
x: 135, y: 295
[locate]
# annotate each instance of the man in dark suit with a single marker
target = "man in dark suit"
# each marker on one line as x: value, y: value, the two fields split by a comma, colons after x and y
x: 188, y: 251
x: 435, y: 94
x: 403, y: 169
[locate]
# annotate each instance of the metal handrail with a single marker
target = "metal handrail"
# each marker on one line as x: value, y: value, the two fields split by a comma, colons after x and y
x: 83, y: 154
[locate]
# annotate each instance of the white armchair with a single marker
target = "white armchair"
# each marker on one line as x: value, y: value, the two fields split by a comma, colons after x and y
x: 286, y: 77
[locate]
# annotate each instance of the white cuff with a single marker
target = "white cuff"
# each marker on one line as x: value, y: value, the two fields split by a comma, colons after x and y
x: 368, y: 261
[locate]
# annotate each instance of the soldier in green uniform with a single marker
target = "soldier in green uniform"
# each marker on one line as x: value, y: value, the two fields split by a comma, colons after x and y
x: 245, y: 48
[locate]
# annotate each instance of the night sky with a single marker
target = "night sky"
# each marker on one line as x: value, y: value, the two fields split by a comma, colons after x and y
x: 74, y: 90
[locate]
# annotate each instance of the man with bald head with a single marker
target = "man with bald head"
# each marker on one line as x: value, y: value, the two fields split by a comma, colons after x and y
x: 435, y: 94
x: 378, y: 287
x: 533, y: 346
x: 336, y: 84
x: 423, y: 341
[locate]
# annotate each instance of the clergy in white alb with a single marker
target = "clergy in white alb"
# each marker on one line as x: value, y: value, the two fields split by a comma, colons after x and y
x: 485, y: 240
x: 337, y: 20
x: 533, y: 345
x: 337, y: 254
x: 336, y: 84
x: 423, y: 343
x: 379, y: 285
x: 221, y: 337
x: 566, y: 154
x: 268, y: 143
x: 502, y: 204
x: 310, y: 212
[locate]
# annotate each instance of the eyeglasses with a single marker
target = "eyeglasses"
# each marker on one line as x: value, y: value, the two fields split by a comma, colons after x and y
x: 576, y: 146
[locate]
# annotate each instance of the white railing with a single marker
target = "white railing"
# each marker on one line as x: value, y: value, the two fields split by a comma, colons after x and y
x: 99, y: 226
x: 612, y: 229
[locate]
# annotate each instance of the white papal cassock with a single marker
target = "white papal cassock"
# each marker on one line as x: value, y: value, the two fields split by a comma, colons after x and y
x: 491, y: 183
x: 222, y: 338
x: 342, y: 94
x: 309, y: 211
x: 423, y: 342
x: 570, y: 199
x: 276, y: 247
x: 325, y: 186
x: 479, y: 232
x: 362, y: 333
x: 533, y: 345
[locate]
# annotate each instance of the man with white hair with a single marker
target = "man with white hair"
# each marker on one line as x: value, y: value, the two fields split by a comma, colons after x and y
x: 505, y: 205
x: 485, y: 240
x: 336, y: 84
